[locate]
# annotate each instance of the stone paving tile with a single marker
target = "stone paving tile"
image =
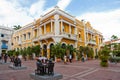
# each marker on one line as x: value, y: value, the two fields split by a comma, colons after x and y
x: 89, y: 70
x: 102, y: 75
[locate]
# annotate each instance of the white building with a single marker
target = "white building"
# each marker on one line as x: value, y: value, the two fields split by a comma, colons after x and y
x: 5, y: 38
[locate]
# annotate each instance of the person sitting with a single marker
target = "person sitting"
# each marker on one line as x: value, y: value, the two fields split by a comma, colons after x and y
x: 40, y: 68
x: 17, y: 62
x: 50, y: 67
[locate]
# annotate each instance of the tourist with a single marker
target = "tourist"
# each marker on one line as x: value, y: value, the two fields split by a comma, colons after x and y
x: 5, y: 57
x: 65, y: 59
x: 70, y: 58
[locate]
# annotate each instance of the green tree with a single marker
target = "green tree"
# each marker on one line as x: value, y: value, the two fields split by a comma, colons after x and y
x: 114, y: 37
x: 57, y: 50
x: 24, y: 53
x: 11, y: 52
x: 36, y: 49
x: 80, y: 52
x: 16, y: 27
x: 104, y: 55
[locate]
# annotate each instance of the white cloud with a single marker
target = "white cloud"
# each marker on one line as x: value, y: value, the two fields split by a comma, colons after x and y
x: 106, y: 22
x: 37, y: 8
x: 63, y: 3
x: 13, y: 13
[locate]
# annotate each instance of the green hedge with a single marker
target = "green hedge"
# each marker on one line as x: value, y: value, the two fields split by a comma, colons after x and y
x: 114, y: 59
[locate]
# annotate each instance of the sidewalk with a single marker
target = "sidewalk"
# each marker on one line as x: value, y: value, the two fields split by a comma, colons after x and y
x: 89, y: 70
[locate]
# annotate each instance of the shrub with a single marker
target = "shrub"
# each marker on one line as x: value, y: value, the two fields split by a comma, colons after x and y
x: 104, y: 64
x: 104, y: 61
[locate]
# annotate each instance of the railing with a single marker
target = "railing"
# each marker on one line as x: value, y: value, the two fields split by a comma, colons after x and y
x: 36, y: 39
x: 90, y: 31
x: 19, y: 42
x: 70, y: 36
x: 4, y: 46
x: 47, y: 35
x: 5, y: 38
x: 92, y: 42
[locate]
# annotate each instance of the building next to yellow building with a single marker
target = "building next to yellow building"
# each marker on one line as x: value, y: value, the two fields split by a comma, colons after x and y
x: 57, y: 26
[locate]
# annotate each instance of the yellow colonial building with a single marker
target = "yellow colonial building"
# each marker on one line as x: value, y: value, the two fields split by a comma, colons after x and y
x: 57, y: 26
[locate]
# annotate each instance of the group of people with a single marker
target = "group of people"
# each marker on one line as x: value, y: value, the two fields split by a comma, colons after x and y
x: 43, y: 65
x: 67, y: 58
x: 4, y: 57
x: 15, y: 59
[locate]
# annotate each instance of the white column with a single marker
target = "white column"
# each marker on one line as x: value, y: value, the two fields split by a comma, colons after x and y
x: 37, y: 32
x: 51, y: 26
x: 44, y: 28
x: 56, y: 25
x: 40, y: 30
x: 75, y: 32
x: 61, y: 26
x: 33, y: 34
x: 91, y: 37
x: 69, y: 28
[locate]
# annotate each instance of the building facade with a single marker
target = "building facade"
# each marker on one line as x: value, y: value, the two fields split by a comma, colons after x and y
x: 5, y: 39
x: 57, y: 26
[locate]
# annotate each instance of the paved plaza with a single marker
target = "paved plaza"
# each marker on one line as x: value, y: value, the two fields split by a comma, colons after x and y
x: 77, y: 70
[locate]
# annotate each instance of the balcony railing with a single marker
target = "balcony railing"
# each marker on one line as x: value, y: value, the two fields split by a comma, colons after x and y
x: 5, y: 38
x: 69, y: 36
x: 19, y: 42
x: 47, y: 35
x: 92, y: 42
x: 36, y: 39
x: 4, y: 46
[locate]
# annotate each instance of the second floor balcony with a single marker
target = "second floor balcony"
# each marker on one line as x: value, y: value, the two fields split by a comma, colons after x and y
x: 69, y: 36
x: 47, y: 35
x: 4, y: 46
x: 19, y: 42
x: 5, y: 39
x: 91, y: 42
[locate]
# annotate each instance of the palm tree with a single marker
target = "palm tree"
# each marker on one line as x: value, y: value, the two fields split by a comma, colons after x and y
x: 114, y: 37
x: 16, y: 27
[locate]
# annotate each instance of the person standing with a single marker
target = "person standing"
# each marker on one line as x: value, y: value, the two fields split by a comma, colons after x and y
x: 5, y: 57
x: 65, y: 59
x: 70, y: 58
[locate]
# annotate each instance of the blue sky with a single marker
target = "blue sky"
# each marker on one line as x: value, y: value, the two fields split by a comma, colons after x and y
x: 104, y: 15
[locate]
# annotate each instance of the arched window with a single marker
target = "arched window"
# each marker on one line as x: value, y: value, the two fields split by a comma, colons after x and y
x: 45, y: 50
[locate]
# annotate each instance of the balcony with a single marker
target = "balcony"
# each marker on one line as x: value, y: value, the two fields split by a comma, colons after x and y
x: 5, y: 39
x: 19, y: 42
x: 92, y: 42
x: 90, y: 31
x: 35, y: 39
x: 4, y: 46
x: 46, y: 36
x: 102, y: 45
x: 69, y: 36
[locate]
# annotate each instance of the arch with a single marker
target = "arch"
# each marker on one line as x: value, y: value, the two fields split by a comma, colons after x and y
x: 63, y: 45
x: 50, y: 44
x: 51, y: 56
x: 72, y: 45
x: 44, y: 50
